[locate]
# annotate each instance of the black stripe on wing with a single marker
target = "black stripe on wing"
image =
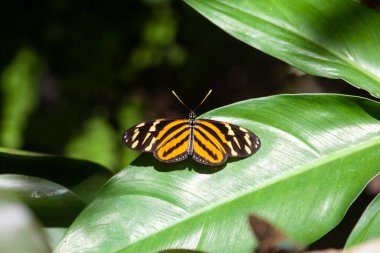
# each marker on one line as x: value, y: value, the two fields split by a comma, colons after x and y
x: 206, y: 150
x: 236, y: 141
x: 175, y: 148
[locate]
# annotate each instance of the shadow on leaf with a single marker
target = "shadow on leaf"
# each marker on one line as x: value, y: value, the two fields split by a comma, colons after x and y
x: 146, y: 159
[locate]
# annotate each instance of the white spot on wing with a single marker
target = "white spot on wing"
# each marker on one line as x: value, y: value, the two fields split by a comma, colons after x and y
x: 140, y: 125
x: 246, y: 137
x: 135, y: 135
x: 125, y: 137
x: 233, y: 152
x: 230, y: 132
x: 135, y: 144
x: 146, y: 137
x: 237, y: 142
x: 153, y: 127
x: 243, y: 129
x: 151, y: 144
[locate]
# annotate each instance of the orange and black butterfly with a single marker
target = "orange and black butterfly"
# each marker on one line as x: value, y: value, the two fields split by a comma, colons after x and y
x: 207, y: 141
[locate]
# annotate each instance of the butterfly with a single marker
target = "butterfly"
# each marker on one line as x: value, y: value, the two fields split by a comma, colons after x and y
x: 207, y: 141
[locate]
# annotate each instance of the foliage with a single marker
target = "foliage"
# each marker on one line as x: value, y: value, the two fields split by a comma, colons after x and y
x: 92, y: 70
x: 96, y: 142
x: 82, y: 177
x: 54, y: 204
x: 306, y: 174
x: 317, y: 37
x: 19, y: 85
x: 368, y: 225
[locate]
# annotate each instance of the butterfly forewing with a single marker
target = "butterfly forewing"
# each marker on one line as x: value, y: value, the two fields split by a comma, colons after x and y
x: 230, y: 140
x: 143, y: 137
x: 167, y: 138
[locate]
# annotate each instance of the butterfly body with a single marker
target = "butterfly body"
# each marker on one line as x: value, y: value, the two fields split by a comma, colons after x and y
x: 207, y: 141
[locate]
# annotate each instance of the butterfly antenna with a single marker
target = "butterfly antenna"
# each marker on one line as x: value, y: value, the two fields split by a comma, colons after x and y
x: 209, y: 92
x: 180, y: 100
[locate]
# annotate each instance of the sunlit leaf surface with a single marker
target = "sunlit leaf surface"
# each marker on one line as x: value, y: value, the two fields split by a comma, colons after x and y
x: 318, y: 152
x: 336, y: 39
x: 368, y: 227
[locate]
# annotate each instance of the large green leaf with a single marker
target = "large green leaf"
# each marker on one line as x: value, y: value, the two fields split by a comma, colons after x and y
x: 368, y: 227
x: 53, y: 204
x: 335, y: 39
x: 317, y: 154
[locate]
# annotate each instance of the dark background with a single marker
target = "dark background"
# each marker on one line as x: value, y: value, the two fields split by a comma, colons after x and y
x: 76, y: 74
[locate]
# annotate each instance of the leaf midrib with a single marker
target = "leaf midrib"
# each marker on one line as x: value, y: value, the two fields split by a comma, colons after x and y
x: 332, y: 52
x: 308, y: 166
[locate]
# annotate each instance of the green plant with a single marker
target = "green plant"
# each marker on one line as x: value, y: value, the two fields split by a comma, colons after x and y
x: 318, y: 151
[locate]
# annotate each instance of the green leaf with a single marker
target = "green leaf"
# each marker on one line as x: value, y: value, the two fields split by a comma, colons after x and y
x: 368, y: 225
x: 52, y: 203
x: 95, y: 143
x: 318, y: 152
x: 83, y: 177
x: 19, y: 231
x: 19, y: 87
x: 335, y: 39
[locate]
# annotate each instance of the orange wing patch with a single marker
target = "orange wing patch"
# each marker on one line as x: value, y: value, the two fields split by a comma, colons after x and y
x: 212, y: 138
x: 169, y: 126
x: 207, y: 149
x: 175, y: 148
x: 209, y: 124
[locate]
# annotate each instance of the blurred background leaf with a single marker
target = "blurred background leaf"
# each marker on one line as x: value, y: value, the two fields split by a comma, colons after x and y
x: 54, y: 235
x: 96, y: 143
x: 53, y: 204
x: 82, y: 177
x: 368, y: 226
x: 19, y: 85
x: 19, y: 230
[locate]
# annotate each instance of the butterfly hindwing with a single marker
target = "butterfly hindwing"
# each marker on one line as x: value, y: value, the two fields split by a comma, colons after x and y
x: 173, y: 142
x: 207, y: 146
x: 223, y: 140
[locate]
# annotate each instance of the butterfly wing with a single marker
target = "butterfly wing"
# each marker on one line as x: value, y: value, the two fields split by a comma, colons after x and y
x: 173, y: 142
x: 168, y: 139
x: 210, y: 142
x: 214, y: 141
